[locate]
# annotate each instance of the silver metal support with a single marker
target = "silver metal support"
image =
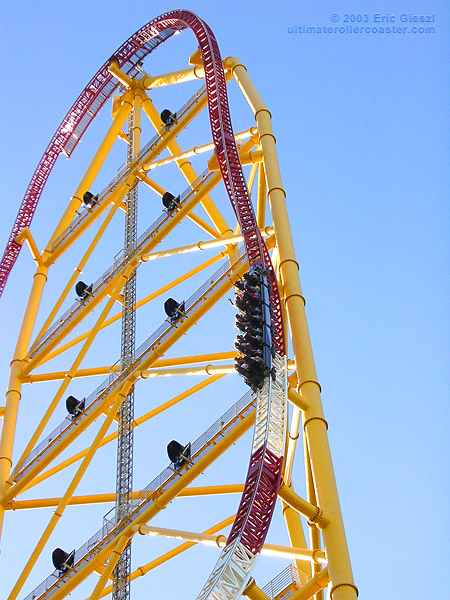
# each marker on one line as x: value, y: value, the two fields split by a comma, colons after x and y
x: 124, y: 480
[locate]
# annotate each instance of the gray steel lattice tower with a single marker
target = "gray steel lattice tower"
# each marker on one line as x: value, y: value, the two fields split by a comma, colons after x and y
x: 124, y: 480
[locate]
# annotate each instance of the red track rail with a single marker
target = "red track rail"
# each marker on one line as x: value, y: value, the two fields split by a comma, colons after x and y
x: 263, y: 477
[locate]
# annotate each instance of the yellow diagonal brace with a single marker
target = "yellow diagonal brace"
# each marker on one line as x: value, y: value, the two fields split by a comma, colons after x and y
x: 186, y: 168
x: 142, y: 302
x: 314, y: 513
x: 167, y: 496
x: 69, y: 492
x: 67, y: 379
x: 107, y: 571
x: 141, y: 571
x: 98, y: 297
x: 253, y: 592
x: 317, y: 583
x: 82, y: 263
x: 212, y: 490
x: 113, y: 436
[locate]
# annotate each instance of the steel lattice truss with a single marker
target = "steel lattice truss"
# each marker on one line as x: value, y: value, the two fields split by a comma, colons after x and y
x: 269, y: 473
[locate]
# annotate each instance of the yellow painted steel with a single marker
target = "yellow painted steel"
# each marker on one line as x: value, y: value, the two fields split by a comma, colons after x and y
x: 79, y: 268
x: 180, y: 76
x: 316, y: 584
x: 69, y: 375
x: 140, y: 303
x: 321, y: 509
x: 140, y: 571
x: 108, y: 288
x: 261, y: 198
x: 69, y: 492
x: 25, y: 236
x: 168, y: 362
x: 253, y: 592
x: 204, y: 370
x: 212, y: 490
x: 222, y: 241
x: 314, y: 513
x: 113, y: 436
x: 196, y: 150
x: 107, y: 572
x: 97, y: 162
x: 159, y: 504
x: 185, y: 166
x: 313, y: 419
x: 221, y: 540
x: 151, y: 184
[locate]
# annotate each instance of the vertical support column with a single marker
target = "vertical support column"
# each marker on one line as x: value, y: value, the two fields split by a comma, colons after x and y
x: 124, y: 480
x: 13, y: 393
x: 314, y: 423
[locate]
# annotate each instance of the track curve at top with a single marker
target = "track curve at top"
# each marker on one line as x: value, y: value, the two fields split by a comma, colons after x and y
x: 99, y: 90
x: 261, y: 488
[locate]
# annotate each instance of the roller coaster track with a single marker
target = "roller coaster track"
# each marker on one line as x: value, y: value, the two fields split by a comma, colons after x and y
x: 232, y: 571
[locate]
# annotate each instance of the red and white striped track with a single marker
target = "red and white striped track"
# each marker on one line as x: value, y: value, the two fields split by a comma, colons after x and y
x: 249, y: 530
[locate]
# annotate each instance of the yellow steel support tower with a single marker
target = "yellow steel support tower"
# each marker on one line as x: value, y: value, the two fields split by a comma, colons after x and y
x: 189, y: 247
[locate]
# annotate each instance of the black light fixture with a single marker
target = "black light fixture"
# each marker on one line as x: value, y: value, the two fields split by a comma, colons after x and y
x: 62, y: 561
x: 74, y: 406
x: 178, y: 454
x: 167, y: 117
x: 170, y: 202
x: 173, y: 309
x: 89, y: 199
x: 83, y: 290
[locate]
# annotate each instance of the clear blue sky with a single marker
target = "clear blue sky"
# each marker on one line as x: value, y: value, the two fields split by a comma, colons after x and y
x: 362, y: 127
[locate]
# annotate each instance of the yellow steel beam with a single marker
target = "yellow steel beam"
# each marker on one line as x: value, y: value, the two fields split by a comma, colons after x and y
x: 203, y: 245
x: 196, y: 150
x: 165, y: 362
x: 107, y: 571
x: 69, y: 375
x: 252, y: 175
x: 142, y: 302
x: 253, y: 592
x: 313, y: 419
x: 13, y: 393
x: 196, y: 197
x: 97, y: 298
x: 159, y: 409
x: 155, y: 187
x: 221, y: 540
x: 298, y: 400
x: 316, y: 584
x: 94, y: 167
x: 176, y: 371
x: 79, y: 268
x: 312, y: 512
x: 296, y: 536
x: 159, y: 504
x: 68, y: 494
x: 314, y: 533
x: 188, y: 74
x: 212, y: 490
x: 69, y: 236
x: 261, y: 198
x: 185, y: 166
x: 143, y: 570
x: 25, y: 236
